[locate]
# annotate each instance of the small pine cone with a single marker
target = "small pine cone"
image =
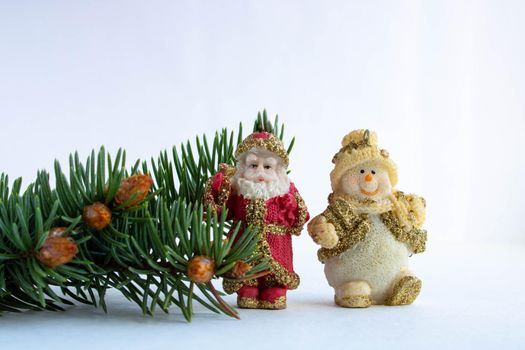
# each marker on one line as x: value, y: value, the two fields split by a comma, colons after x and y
x: 56, y: 231
x: 139, y: 184
x: 240, y: 269
x: 57, y: 251
x: 201, y: 269
x: 97, y: 215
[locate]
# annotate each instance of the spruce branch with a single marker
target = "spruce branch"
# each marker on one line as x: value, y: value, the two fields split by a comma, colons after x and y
x: 125, y: 237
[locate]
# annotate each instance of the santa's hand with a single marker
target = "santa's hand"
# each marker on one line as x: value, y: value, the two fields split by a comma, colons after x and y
x: 222, y: 178
x: 322, y: 232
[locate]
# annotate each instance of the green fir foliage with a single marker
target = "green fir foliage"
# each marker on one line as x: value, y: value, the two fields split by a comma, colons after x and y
x: 144, y: 252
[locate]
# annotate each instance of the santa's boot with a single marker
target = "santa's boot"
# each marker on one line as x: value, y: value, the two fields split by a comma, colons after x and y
x: 353, y: 294
x: 273, y: 298
x: 247, y: 297
x: 405, y: 289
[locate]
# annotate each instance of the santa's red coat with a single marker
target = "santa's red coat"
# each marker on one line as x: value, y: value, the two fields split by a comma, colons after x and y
x: 278, y: 219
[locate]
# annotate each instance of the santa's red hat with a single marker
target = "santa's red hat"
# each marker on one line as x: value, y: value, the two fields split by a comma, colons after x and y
x: 264, y: 140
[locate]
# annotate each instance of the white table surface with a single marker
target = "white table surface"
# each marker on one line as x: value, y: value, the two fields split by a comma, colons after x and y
x: 472, y: 298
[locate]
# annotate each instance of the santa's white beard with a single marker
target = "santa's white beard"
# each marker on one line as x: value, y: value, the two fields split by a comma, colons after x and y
x: 265, y: 190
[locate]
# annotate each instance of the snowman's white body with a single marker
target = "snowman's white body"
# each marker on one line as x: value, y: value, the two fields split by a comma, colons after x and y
x: 378, y: 260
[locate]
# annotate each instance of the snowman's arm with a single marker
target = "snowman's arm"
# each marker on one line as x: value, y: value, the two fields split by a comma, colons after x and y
x: 417, y: 241
x: 412, y: 208
x: 418, y: 207
x: 405, y: 222
x: 323, y: 232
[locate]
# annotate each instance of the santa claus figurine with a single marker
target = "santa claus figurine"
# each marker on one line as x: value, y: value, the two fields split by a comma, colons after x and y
x: 258, y: 192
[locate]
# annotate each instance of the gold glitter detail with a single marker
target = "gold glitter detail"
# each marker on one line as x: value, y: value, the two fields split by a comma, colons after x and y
x: 350, y: 227
x: 224, y: 191
x: 277, y: 229
x: 255, y: 212
x: 278, y: 304
x: 281, y: 276
x: 253, y: 303
x: 354, y: 301
x: 247, y: 303
x: 231, y: 286
x: 415, y: 238
x: 405, y: 291
x: 361, y: 205
x: 227, y: 169
x: 270, y: 143
x: 302, y: 212
x: 352, y: 145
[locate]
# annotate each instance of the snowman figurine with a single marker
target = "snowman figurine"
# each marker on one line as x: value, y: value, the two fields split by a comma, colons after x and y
x: 369, y: 229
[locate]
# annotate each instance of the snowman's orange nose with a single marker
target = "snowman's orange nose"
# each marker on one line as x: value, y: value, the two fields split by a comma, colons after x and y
x: 368, y: 178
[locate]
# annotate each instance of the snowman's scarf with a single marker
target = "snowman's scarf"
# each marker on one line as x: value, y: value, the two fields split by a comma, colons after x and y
x: 369, y: 206
x: 363, y: 206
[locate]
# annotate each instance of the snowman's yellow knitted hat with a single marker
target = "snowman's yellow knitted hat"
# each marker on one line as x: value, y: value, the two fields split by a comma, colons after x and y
x: 360, y: 146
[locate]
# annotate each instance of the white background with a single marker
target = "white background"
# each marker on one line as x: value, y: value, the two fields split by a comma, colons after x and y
x: 441, y: 82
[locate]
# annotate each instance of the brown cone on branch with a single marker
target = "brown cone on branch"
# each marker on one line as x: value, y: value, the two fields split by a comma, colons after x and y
x: 97, y: 216
x: 240, y: 269
x: 138, y: 186
x: 57, y: 251
x: 201, y: 269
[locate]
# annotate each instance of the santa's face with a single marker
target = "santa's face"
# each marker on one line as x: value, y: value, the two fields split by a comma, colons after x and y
x: 260, y: 174
x: 369, y: 180
x: 259, y: 168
